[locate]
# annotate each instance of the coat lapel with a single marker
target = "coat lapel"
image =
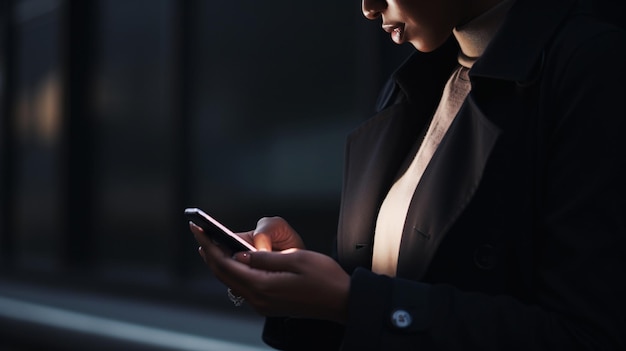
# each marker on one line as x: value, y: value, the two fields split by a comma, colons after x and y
x: 446, y: 187
x: 377, y: 150
x: 374, y: 153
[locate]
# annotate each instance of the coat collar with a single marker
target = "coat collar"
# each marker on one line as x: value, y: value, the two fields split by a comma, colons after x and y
x: 517, y: 55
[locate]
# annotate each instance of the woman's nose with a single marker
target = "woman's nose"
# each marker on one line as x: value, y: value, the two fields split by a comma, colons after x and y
x: 373, y: 8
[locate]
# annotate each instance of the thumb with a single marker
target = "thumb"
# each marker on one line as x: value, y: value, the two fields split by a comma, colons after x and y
x: 262, y: 241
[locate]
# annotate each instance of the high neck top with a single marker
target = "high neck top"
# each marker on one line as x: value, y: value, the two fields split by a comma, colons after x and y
x: 475, y: 35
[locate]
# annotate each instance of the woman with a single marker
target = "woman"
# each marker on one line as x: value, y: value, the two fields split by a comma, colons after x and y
x: 482, y: 207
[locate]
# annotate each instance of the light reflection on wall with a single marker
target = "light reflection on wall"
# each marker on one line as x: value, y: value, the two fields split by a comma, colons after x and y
x: 37, y: 120
x: 38, y: 116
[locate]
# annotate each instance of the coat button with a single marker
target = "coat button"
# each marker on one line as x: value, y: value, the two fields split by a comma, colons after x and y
x: 401, y: 319
x: 485, y: 257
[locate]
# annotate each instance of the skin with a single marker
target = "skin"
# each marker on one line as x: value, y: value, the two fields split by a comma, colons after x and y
x: 426, y: 24
x: 283, y: 278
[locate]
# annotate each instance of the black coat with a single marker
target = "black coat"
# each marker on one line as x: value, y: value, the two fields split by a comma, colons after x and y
x: 516, y: 237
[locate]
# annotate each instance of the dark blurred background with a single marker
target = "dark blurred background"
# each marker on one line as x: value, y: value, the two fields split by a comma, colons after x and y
x: 115, y: 115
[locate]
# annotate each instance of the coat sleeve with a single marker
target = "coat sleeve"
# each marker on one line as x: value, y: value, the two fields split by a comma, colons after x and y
x: 299, y: 334
x: 579, y: 269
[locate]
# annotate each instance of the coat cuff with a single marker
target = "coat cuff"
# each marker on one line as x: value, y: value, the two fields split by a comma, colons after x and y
x: 383, y: 311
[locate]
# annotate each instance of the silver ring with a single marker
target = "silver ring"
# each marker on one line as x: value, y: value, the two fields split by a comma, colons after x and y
x: 236, y: 300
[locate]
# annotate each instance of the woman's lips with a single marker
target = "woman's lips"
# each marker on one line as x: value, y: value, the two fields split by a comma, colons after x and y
x: 396, y: 31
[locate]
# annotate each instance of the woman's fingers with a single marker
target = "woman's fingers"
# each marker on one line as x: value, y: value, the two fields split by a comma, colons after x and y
x: 283, y: 261
x: 216, y: 257
x: 199, y: 235
x: 202, y: 254
x: 297, y: 282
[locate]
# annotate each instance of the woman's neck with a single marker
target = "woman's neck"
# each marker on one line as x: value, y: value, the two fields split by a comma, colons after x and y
x: 475, y: 35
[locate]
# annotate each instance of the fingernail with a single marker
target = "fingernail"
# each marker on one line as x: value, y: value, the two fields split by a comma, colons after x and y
x: 243, y: 257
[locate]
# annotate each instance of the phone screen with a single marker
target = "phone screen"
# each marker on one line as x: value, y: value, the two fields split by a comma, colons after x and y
x: 217, y: 231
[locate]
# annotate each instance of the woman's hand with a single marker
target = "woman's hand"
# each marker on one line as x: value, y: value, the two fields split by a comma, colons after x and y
x: 294, y: 282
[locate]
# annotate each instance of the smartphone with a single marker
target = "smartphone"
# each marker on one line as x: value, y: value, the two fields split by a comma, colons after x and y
x: 217, y: 231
